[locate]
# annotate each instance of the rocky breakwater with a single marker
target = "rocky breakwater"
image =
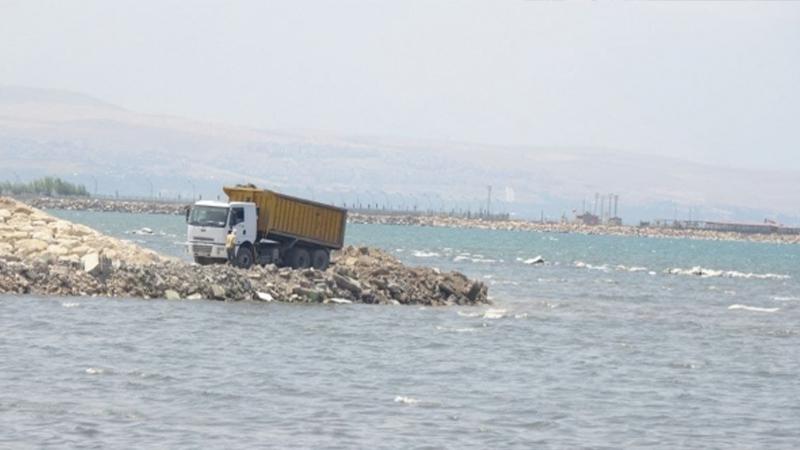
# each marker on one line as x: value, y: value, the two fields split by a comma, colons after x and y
x: 107, y: 205
x: 568, y: 227
x: 43, y: 255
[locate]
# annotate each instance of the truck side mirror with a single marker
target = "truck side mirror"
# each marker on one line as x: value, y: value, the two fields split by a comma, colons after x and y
x: 188, y: 210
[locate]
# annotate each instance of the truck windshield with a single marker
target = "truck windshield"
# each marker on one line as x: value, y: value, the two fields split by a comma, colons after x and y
x: 208, y: 216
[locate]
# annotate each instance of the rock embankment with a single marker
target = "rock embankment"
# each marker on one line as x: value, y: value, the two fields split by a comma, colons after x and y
x: 107, y: 205
x: 30, y: 235
x: 103, y: 266
x: 572, y: 228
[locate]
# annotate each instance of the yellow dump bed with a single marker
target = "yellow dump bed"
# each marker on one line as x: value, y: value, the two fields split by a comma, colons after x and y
x: 292, y: 217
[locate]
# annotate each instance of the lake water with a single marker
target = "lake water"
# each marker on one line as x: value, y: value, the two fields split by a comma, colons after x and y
x: 610, y: 344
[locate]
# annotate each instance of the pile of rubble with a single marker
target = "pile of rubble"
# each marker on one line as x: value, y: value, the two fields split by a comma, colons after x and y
x: 48, y: 256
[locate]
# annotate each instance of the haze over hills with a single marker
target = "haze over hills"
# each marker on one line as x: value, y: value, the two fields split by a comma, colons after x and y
x: 86, y: 140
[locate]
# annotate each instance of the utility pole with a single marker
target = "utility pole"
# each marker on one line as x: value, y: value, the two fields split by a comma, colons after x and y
x: 602, y: 208
x: 489, y: 201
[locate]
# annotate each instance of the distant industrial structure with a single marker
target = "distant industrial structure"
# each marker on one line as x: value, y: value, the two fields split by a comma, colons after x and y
x: 606, y: 214
x: 768, y: 227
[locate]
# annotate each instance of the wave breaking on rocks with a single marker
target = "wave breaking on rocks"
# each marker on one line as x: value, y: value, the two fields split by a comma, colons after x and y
x: 40, y: 254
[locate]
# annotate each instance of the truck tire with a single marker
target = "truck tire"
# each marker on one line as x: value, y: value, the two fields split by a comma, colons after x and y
x: 245, y: 257
x: 299, y: 258
x: 320, y: 259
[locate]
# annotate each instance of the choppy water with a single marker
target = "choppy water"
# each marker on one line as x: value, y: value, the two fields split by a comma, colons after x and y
x: 600, y: 347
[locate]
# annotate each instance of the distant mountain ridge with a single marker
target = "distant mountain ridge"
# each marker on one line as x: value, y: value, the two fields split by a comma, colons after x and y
x: 87, y: 140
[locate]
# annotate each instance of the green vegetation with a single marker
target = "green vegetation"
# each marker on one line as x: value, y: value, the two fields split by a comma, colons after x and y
x: 48, y: 186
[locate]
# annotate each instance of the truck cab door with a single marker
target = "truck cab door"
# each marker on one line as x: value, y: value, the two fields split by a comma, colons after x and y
x: 243, y: 220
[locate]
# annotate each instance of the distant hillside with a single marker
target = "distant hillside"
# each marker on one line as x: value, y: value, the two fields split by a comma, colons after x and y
x: 86, y: 140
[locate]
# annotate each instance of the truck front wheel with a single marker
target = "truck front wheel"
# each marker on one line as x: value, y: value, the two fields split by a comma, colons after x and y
x: 320, y: 259
x: 299, y: 258
x: 244, y: 257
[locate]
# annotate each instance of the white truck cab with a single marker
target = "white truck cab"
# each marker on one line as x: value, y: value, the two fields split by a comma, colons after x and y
x: 208, y: 224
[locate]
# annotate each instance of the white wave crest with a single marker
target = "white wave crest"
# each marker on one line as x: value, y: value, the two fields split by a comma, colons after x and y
x: 583, y: 265
x: 753, y: 308
x: 474, y: 260
x: 494, y: 314
x: 712, y: 273
x: 70, y: 305
x: 467, y: 314
x: 95, y: 371
x: 457, y: 330
x: 623, y: 268
x: 424, y: 254
x: 536, y: 260
x: 779, y: 298
x: 405, y: 400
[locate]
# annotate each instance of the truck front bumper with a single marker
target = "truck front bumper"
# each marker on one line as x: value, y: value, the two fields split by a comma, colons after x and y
x: 206, y: 250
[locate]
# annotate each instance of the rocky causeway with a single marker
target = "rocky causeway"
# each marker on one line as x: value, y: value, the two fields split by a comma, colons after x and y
x: 40, y: 254
x: 432, y: 220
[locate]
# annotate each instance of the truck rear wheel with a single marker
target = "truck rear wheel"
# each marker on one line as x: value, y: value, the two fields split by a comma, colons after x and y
x: 320, y: 259
x: 299, y: 258
x: 244, y: 257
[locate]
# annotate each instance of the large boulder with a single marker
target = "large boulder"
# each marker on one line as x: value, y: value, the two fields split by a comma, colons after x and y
x: 26, y: 247
x: 96, y: 264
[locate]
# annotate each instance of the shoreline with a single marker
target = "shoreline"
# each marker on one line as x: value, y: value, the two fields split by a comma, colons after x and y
x: 43, y: 255
x: 440, y: 221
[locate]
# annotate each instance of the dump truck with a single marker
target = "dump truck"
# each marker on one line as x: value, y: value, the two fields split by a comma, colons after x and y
x: 271, y: 228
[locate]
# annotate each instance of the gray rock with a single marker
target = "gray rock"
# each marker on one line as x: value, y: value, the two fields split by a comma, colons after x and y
x: 218, y: 292
x: 348, y: 283
x: 310, y: 294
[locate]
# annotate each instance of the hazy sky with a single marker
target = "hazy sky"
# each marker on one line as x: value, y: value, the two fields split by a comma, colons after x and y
x: 710, y: 82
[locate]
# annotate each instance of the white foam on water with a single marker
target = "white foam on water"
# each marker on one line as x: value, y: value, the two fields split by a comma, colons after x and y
x: 405, y: 400
x: 530, y: 261
x: 468, y: 314
x: 488, y: 277
x: 457, y: 330
x: 95, y: 371
x: 753, y: 308
x: 474, y: 260
x: 631, y: 268
x: 703, y: 272
x: 779, y: 298
x: 583, y: 265
x: 521, y: 316
x: 424, y: 254
x: 494, y: 314
x: 70, y: 305
x: 399, y: 250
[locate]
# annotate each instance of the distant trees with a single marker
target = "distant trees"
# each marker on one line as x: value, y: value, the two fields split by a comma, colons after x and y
x: 48, y: 186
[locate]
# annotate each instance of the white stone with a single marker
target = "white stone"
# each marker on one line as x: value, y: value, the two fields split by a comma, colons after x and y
x: 95, y: 264
x: 263, y: 296
x: 170, y: 294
